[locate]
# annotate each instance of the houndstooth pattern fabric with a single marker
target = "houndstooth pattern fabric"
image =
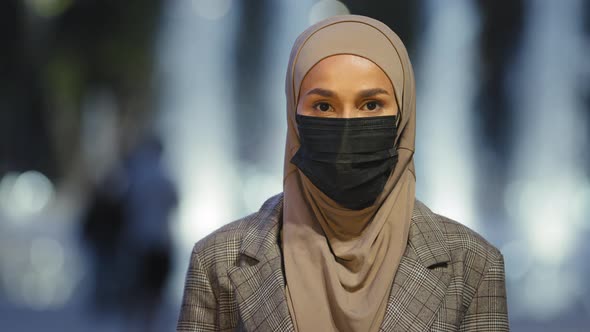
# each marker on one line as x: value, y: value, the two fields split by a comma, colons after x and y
x: 449, y: 278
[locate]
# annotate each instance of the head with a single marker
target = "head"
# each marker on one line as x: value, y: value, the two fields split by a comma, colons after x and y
x: 350, y: 111
x: 346, y: 86
x: 348, y: 67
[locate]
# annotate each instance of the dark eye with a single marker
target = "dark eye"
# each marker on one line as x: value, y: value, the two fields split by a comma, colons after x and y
x: 323, y: 107
x: 371, y: 106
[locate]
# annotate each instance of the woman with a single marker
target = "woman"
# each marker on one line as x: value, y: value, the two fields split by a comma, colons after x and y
x: 346, y: 246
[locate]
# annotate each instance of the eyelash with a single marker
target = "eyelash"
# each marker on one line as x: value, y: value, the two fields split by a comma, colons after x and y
x: 378, y: 104
x: 316, y: 105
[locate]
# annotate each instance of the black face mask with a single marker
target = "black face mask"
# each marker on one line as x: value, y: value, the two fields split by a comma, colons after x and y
x: 348, y: 159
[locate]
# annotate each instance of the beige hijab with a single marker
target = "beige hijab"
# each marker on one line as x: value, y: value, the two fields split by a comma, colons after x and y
x: 340, y: 263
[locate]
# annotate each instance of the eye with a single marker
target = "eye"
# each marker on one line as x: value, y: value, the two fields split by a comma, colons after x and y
x: 322, y: 107
x: 372, y: 106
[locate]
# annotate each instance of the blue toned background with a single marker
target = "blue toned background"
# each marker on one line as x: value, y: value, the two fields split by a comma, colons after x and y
x: 169, y: 117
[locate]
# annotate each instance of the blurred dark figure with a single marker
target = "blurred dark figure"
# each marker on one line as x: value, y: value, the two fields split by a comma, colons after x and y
x: 102, y: 227
x: 127, y: 226
x: 502, y: 24
x: 147, y: 241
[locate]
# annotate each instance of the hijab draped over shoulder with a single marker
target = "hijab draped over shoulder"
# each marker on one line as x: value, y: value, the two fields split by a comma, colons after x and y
x: 340, y: 263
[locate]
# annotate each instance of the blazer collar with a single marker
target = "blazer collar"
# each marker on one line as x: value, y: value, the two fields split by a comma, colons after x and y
x: 258, y: 278
x: 425, y: 236
x: 423, y: 275
x: 422, y: 278
x: 263, y: 240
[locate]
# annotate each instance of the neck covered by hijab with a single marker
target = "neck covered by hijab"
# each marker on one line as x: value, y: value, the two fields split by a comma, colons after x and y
x: 340, y: 263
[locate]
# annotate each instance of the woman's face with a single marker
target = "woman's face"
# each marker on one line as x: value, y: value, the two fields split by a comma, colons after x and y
x: 346, y: 86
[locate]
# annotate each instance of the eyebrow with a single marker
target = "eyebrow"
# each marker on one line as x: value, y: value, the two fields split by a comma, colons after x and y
x: 321, y: 92
x: 363, y: 94
x: 372, y: 92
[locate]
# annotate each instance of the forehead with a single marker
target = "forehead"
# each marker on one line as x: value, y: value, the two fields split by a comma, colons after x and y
x: 346, y: 71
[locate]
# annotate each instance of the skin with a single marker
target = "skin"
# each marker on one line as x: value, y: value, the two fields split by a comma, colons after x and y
x: 346, y: 86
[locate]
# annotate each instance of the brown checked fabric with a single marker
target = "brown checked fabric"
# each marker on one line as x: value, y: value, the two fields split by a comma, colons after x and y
x: 449, y: 278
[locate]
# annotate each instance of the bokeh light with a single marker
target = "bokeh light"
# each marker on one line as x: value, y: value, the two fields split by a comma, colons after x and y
x: 25, y: 194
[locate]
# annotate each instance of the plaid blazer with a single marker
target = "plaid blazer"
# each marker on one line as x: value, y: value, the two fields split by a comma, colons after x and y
x: 449, y: 278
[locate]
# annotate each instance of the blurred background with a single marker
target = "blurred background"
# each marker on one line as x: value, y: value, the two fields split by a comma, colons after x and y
x: 131, y: 129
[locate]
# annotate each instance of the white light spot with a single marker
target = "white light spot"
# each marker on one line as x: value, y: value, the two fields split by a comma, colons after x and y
x: 200, y: 215
x: 212, y: 9
x: 551, y: 242
x: 548, y: 213
x: 25, y: 194
x: 326, y: 8
x: 32, y: 192
x: 202, y: 209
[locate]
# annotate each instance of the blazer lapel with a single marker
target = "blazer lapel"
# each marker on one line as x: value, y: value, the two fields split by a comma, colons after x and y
x: 258, y: 279
x: 418, y: 288
x: 422, y: 278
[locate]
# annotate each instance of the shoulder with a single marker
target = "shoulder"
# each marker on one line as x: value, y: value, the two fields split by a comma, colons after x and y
x: 456, y: 236
x: 471, y: 255
x: 209, y: 292
x: 222, y: 247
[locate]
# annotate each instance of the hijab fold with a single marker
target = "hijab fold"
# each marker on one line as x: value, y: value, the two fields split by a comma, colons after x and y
x: 340, y: 263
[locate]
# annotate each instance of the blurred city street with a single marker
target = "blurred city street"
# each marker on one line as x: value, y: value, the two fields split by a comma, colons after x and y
x: 130, y: 130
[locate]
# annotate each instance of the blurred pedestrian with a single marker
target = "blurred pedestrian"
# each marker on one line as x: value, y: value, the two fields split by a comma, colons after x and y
x: 102, y: 227
x: 147, y: 242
